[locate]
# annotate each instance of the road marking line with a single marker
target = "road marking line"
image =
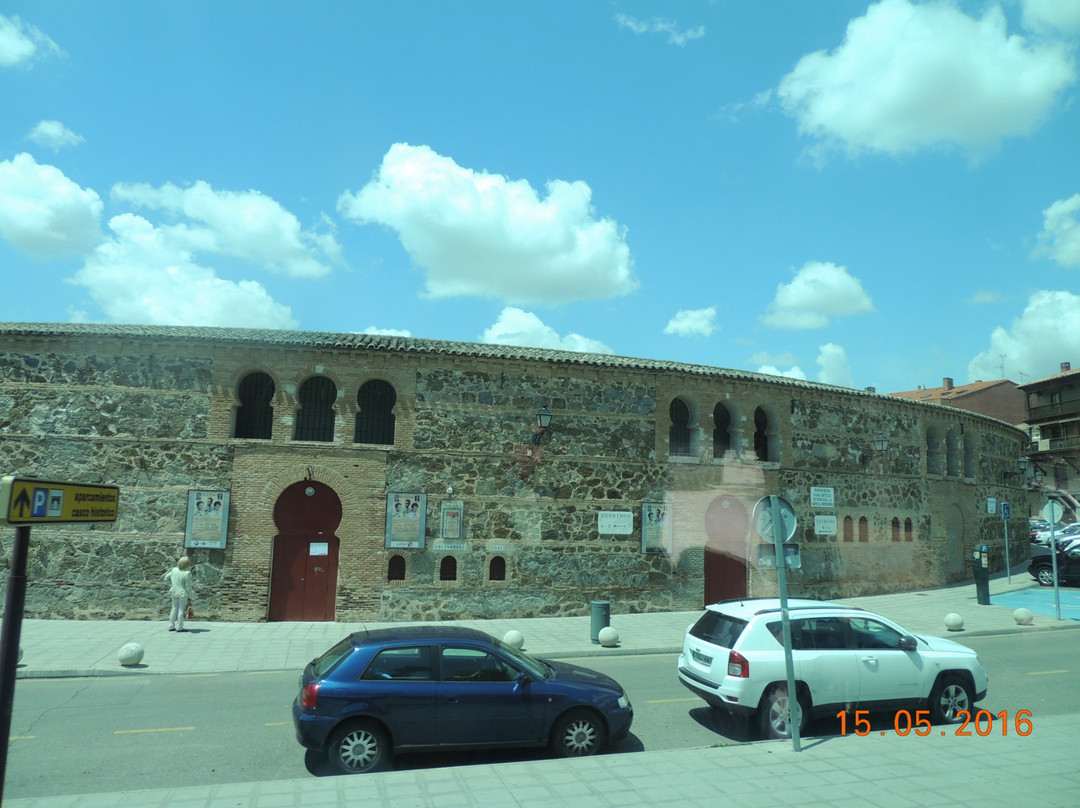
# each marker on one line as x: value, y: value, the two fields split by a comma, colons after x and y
x: 198, y: 675
x: 277, y: 723
x: 161, y: 729
x: 266, y: 673
x: 23, y: 737
x: 671, y: 701
x: 1044, y: 673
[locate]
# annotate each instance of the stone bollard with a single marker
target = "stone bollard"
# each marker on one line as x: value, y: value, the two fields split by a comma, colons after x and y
x: 131, y: 655
x: 1023, y: 617
x: 954, y: 622
x: 514, y: 638
x: 608, y: 637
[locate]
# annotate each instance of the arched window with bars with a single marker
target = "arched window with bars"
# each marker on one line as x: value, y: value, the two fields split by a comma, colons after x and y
x: 375, y: 413
x: 315, y: 418
x: 255, y: 415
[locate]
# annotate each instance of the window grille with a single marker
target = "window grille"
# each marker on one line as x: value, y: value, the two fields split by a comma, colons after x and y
x: 679, y: 432
x: 448, y: 569
x: 395, y: 570
x: 255, y: 415
x: 721, y: 439
x: 315, y: 418
x: 497, y: 569
x: 375, y: 418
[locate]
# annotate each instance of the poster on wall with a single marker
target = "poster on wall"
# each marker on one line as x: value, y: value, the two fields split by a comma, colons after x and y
x: 207, y: 519
x: 406, y: 516
x: 453, y: 511
x: 656, y: 532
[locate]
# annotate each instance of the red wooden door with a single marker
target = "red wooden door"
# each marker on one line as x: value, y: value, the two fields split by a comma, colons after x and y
x: 303, y: 578
x: 726, y: 526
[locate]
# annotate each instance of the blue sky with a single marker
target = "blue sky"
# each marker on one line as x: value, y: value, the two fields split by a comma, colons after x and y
x: 880, y: 194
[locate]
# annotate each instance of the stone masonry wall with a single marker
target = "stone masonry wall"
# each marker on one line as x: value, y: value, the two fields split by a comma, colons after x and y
x: 153, y: 413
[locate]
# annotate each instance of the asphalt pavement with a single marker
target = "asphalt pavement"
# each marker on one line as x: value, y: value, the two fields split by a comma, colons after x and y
x: 1002, y: 767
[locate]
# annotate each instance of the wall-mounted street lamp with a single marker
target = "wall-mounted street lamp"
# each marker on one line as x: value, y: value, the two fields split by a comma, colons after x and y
x: 1021, y: 468
x: 543, y: 420
x: 881, y: 443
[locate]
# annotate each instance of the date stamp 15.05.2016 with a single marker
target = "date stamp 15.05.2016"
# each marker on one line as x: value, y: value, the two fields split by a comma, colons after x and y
x: 979, y: 724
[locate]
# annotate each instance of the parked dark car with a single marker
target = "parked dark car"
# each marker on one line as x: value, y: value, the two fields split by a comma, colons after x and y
x: 412, y: 688
x: 1068, y: 563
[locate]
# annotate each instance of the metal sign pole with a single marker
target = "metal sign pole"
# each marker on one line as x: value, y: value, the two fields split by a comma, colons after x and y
x: 794, y: 709
x: 1005, y: 521
x: 14, y: 603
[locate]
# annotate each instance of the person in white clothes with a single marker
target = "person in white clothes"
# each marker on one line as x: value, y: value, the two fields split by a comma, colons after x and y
x: 179, y: 578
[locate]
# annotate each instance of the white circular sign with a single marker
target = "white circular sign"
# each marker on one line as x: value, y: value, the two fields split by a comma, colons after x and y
x: 1052, y: 511
x: 764, y: 523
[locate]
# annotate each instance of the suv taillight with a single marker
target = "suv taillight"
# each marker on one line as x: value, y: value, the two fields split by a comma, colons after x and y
x: 738, y: 665
x: 309, y: 697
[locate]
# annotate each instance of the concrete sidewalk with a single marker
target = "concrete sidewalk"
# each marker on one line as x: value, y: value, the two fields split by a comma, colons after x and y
x: 1001, y: 768
x: 54, y: 648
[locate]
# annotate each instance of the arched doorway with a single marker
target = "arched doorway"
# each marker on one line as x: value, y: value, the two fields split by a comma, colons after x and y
x: 303, y: 576
x: 726, y: 526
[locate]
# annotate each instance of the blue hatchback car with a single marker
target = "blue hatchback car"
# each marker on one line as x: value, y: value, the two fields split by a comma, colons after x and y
x: 413, y: 688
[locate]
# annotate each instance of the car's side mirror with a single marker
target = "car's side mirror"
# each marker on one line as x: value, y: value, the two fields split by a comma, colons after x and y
x: 908, y: 644
x: 521, y: 679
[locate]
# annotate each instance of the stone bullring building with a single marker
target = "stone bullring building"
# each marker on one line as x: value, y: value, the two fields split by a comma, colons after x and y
x: 320, y: 476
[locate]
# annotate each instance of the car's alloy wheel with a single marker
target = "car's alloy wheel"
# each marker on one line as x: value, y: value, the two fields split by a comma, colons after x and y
x: 1045, y: 576
x: 358, y: 747
x: 950, y: 696
x: 774, y: 718
x: 578, y: 733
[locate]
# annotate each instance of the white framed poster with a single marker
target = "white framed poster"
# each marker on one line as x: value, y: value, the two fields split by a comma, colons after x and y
x: 656, y: 527
x: 406, y: 517
x: 207, y: 519
x: 453, y: 512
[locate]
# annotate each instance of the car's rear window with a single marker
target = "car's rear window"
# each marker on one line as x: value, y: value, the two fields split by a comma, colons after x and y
x: 330, y: 659
x: 718, y: 629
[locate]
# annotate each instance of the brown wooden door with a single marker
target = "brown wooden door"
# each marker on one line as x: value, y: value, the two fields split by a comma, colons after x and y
x: 726, y: 526
x: 303, y: 578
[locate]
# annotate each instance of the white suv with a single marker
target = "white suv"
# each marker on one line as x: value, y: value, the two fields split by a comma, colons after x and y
x: 733, y: 657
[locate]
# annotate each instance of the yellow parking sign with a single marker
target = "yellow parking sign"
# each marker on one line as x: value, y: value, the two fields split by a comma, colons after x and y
x: 30, y: 501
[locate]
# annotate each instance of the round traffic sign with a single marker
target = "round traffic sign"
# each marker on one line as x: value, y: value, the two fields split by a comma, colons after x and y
x: 763, y: 518
x: 1052, y: 511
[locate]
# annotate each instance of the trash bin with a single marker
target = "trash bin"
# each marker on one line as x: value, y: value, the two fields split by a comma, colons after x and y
x: 981, y: 564
x: 601, y: 618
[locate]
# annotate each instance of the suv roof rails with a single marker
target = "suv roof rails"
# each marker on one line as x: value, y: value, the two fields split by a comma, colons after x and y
x: 823, y: 606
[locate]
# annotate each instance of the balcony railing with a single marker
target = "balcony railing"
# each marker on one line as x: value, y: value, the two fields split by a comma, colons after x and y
x: 1059, y: 410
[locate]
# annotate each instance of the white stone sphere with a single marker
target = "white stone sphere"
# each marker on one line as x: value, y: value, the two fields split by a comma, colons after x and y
x: 514, y: 638
x: 131, y: 654
x: 608, y: 637
x: 954, y: 622
x: 1023, y: 617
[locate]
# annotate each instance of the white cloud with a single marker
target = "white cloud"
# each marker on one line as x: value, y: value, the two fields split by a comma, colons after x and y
x: 911, y: 76
x: 484, y: 235
x: 245, y: 224
x: 660, y: 25
x: 1060, y: 236
x: 45, y: 214
x: 1046, y: 334
x: 1052, y: 15
x: 140, y: 275
x: 692, y: 323
x: 795, y: 372
x: 387, y: 332
x: 54, y: 135
x: 524, y: 329
x: 21, y: 42
x: 985, y: 296
x: 835, y: 367
x: 819, y: 292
